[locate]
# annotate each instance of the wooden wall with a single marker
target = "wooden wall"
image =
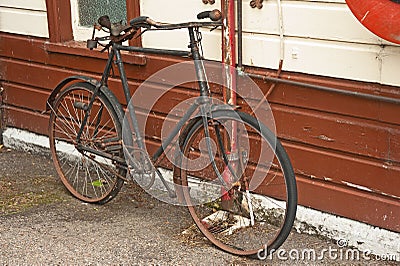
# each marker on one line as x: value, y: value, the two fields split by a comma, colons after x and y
x: 24, y: 17
x: 345, y: 149
x: 321, y: 37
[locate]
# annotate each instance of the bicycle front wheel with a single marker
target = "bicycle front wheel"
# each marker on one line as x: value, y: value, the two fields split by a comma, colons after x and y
x: 247, y: 204
x: 88, y: 168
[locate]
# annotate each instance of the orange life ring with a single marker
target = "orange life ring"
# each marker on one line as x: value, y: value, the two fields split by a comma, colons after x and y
x: 382, y: 17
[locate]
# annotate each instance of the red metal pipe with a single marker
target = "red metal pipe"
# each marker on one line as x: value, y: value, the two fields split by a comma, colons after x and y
x: 232, y: 47
x: 232, y: 68
x: 229, y: 62
x: 229, y: 49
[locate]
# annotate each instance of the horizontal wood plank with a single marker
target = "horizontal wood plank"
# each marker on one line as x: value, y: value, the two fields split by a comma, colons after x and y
x: 26, y: 119
x: 306, y: 19
x: 26, y: 22
x: 355, y: 204
x: 24, y: 96
x: 39, y: 5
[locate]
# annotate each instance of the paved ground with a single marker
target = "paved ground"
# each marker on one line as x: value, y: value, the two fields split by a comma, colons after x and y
x: 40, y: 223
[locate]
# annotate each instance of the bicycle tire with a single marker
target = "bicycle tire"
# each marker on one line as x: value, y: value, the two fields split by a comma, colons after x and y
x: 277, y: 221
x: 87, y: 176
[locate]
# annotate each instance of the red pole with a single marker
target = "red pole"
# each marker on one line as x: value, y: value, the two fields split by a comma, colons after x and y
x: 232, y: 47
x: 232, y: 67
x: 229, y: 62
x: 229, y: 49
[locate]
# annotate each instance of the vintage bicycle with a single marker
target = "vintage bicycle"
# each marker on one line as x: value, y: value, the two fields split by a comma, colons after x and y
x: 96, y: 146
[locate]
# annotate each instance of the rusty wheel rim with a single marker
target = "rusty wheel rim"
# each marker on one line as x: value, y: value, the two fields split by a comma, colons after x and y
x: 86, y: 176
x: 270, y: 227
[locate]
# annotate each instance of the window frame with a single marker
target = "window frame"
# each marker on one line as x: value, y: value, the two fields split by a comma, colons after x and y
x: 60, y: 20
x: 79, y: 33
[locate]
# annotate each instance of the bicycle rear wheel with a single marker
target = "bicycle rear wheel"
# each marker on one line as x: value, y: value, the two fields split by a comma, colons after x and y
x: 85, y: 172
x: 253, y: 212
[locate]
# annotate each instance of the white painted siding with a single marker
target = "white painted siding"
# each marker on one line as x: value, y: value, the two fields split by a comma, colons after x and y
x: 322, y: 37
x: 26, y: 17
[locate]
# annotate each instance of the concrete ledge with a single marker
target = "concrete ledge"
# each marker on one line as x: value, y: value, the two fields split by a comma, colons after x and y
x: 25, y: 140
x: 346, y: 232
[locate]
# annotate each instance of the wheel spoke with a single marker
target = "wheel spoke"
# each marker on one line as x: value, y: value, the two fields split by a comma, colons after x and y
x: 87, y: 176
x: 240, y: 221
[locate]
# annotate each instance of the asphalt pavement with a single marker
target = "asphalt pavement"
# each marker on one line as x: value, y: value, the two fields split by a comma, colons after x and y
x: 42, y: 224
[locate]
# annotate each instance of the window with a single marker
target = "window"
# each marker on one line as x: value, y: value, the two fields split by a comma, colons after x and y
x: 63, y: 17
x: 84, y: 14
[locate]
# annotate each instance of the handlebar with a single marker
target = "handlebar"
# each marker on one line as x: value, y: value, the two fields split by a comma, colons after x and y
x: 146, y: 22
x: 120, y: 32
x: 214, y: 15
x: 138, y: 20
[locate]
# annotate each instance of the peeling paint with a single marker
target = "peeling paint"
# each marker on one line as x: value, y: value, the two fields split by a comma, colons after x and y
x: 325, y: 138
x: 388, y: 195
x: 347, y: 122
x: 357, y: 186
x: 365, y: 16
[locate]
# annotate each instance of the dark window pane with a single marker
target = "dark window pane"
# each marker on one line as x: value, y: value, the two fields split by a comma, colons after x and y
x: 91, y: 10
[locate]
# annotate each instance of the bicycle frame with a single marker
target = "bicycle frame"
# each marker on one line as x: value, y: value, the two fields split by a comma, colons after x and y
x: 203, y: 102
x: 87, y: 120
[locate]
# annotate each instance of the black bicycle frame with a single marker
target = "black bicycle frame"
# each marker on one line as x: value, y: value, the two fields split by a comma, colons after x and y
x: 200, y: 73
x: 203, y: 101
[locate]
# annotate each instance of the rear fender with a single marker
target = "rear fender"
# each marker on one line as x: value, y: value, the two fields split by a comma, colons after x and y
x: 63, y: 84
x: 95, y: 83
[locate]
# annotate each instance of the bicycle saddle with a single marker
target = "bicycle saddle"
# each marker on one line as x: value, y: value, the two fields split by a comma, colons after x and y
x: 114, y: 28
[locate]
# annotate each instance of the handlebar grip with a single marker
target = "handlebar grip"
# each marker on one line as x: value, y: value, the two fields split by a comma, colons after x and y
x: 138, y: 20
x: 214, y: 15
x: 104, y: 21
x: 203, y: 15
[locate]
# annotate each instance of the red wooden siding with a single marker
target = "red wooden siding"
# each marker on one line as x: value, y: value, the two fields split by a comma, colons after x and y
x: 345, y: 149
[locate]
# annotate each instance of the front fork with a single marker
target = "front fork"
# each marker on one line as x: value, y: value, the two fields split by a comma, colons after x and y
x: 234, y: 161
